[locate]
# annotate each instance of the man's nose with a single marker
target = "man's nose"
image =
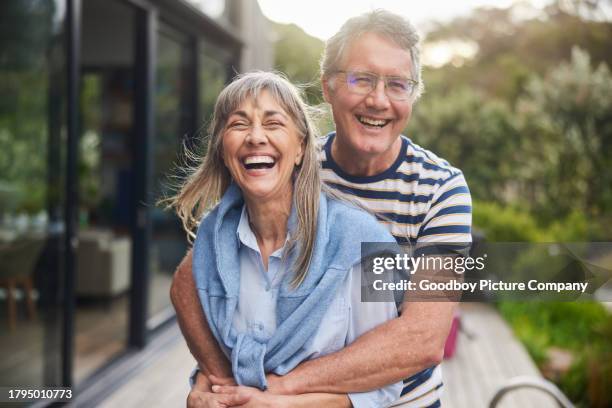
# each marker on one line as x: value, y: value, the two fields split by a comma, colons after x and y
x: 378, y: 98
x: 257, y: 135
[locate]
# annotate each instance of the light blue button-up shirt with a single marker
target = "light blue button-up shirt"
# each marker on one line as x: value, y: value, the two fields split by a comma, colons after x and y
x: 346, y: 319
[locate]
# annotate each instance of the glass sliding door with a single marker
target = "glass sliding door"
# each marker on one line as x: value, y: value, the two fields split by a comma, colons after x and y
x: 213, y: 75
x: 184, y: 102
x: 173, y: 122
x: 105, y: 173
x: 32, y: 190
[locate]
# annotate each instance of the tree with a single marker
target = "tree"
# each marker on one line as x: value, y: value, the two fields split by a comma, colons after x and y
x: 517, y: 42
x: 569, y: 113
x: 474, y: 133
x: 297, y: 55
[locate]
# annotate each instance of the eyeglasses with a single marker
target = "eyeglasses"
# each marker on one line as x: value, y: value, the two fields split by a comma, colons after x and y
x: 396, y: 87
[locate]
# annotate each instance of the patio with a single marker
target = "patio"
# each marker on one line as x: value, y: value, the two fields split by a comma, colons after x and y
x: 487, y: 356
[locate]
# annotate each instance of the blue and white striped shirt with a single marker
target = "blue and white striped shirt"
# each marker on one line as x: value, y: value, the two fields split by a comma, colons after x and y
x: 421, y: 198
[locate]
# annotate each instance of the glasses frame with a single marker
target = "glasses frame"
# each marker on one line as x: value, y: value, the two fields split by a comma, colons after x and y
x: 377, y: 78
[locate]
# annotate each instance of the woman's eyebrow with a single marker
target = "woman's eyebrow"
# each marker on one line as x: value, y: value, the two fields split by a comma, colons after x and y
x: 240, y: 113
x: 274, y: 112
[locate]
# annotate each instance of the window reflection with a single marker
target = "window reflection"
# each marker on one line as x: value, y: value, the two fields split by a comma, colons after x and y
x: 105, y: 168
x: 212, y: 77
x: 32, y: 103
x: 172, y: 121
x: 175, y: 125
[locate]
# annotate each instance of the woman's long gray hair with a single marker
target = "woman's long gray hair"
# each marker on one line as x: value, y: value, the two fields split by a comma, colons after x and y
x: 209, y: 178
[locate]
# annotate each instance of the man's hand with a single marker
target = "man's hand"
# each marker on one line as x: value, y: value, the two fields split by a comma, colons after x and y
x: 255, y: 397
x: 202, y: 397
x: 227, y: 386
x: 199, y: 399
x: 261, y: 399
x: 214, y: 380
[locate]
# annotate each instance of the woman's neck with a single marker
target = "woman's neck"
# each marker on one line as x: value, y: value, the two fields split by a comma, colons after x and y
x: 268, y: 220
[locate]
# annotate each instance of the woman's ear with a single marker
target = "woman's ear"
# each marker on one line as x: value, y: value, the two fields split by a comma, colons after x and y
x: 300, y: 154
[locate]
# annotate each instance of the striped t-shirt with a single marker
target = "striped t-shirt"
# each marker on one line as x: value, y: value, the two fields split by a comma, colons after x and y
x: 421, y: 198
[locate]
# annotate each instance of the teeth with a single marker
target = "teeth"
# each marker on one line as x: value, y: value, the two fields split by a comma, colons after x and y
x: 373, y: 122
x: 258, y: 160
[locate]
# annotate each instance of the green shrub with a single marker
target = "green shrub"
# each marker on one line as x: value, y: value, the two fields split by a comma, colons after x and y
x: 512, y: 224
x: 576, y: 227
x: 504, y: 224
x: 584, y: 329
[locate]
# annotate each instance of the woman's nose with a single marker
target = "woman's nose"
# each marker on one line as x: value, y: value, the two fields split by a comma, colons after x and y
x: 256, y: 136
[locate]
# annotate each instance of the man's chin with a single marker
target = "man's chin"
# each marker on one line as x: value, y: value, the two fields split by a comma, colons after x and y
x: 374, y: 148
x: 370, y: 144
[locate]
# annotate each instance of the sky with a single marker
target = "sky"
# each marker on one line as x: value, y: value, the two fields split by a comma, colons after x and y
x: 322, y: 18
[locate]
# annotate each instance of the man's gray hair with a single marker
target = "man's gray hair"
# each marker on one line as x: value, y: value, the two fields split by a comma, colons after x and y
x: 390, y: 25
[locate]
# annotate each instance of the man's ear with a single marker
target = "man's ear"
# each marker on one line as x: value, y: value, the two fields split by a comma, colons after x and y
x: 327, y: 87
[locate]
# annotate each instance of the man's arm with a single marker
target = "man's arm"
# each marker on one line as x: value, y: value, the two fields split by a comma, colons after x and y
x: 257, y: 398
x: 200, y: 340
x: 412, y: 342
x: 315, y: 400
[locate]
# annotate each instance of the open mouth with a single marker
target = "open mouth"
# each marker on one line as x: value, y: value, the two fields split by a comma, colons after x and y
x: 371, y: 122
x: 258, y: 162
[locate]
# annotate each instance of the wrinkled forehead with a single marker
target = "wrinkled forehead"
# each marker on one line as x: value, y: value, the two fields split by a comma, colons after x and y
x: 259, y: 98
x: 376, y: 52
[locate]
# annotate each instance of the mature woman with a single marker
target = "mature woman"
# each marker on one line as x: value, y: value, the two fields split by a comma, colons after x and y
x: 275, y: 258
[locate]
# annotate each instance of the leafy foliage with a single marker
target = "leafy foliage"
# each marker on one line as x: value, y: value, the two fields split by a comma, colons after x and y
x: 507, y: 224
x: 571, y: 109
x: 472, y: 132
x: 297, y: 55
x: 549, y: 152
x: 528, y: 120
x: 584, y: 329
x: 30, y: 92
x: 516, y: 42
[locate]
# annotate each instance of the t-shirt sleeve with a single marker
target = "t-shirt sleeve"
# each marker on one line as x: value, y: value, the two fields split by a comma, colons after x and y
x: 449, y: 218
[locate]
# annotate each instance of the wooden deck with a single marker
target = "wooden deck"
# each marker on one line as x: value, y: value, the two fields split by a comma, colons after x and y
x: 163, y: 383
x: 487, y: 355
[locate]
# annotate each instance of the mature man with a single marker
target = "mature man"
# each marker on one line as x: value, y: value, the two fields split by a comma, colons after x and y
x: 371, y: 77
